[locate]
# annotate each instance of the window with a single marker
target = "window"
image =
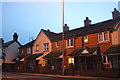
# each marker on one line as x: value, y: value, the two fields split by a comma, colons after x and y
x: 71, y: 60
x: 57, y: 44
x: 46, y: 46
x: 22, y: 51
x: 70, y: 42
x: 37, y: 47
x: 103, y: 36
x: 100, y: 36
x: 106, y: 59
x: 85, y: 39
x: 29, y: 50
x: 30, y: 64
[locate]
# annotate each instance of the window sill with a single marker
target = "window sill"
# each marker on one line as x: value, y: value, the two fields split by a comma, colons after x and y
x: 106, y: 63
x: 102, y: 42
x: 69, y: 46
x: 46, y: 51
x: 57, y: 46
x: 86, y: 42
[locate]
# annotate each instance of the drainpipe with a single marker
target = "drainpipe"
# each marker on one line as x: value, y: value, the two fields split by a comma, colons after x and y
x: 83, y: 42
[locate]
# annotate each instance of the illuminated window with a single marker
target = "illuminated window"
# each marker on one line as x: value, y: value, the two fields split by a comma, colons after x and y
x: 46, y: 46
x: 71, y: 60
x: 70, y: 42
x: 85, y: 39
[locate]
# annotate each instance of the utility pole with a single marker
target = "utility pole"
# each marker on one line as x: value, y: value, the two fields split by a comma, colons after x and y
x: 63, y: 37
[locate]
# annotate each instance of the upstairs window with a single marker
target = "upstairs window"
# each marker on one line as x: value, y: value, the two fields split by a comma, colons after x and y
x: 22, y: 51
x: 85, y: 39
x: 29, y: 50
x: 100, y: 36
x: 57, y: 44
x: 103, y: 36
x: 70, y: 42
x: 37, y: 47
x: 46, y: 46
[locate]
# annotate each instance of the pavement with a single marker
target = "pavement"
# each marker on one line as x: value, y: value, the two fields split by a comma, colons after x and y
x: 66, y: 76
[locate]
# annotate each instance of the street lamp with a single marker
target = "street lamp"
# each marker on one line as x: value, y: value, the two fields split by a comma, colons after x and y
x: 63, y: 37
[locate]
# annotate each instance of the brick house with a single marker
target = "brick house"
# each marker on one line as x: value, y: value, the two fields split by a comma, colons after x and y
x: 25, y: 62
x: 90, y: 50
x: 42, y: 45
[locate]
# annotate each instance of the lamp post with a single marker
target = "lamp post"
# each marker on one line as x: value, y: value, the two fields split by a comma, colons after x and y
x: 62, y: 37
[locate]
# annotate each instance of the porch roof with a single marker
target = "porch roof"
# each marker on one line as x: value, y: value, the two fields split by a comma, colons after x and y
x: 33, y: 56
x: 93, y: 50
x: 18, y: 58
x: 114, y: 49
x: 53, y: 55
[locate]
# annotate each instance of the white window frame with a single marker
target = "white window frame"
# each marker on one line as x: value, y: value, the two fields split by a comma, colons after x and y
x: 106, y: 59
x: 57, y: 44
x: 103, y: 36
x: 46, y: 46
x: 68, y: 42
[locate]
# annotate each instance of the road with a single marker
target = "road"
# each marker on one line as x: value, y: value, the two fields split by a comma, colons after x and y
x: 35, y: 76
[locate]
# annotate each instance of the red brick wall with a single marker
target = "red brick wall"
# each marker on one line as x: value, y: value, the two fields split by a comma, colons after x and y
x: 92, y: 40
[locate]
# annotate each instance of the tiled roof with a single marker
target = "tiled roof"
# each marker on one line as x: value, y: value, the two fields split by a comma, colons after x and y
x: 113, y: 49
x: 93, y: 28
x: 51, y: 35
x: 19, y: 58
x: 33, y: 56
x: 78, y: 52
x: 53, y: 54
x: 28, y: 44
x: 7, y: 43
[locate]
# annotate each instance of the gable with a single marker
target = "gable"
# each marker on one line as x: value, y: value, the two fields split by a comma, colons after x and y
x: 41, y: 39
x: 41, y: 36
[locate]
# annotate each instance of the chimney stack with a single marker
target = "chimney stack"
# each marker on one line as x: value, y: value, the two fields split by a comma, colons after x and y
x: 87, y: 22
x: 48, y: 30
x: 15, y: 37
x: 66, y: 28
x: 2, y: 40
x: 115, y: 13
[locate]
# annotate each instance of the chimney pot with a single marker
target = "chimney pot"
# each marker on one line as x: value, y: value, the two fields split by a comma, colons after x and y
x: 15, y: 37
x: 48, y: 30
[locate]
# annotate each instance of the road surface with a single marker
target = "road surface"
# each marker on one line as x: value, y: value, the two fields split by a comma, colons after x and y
x: 36, y: 76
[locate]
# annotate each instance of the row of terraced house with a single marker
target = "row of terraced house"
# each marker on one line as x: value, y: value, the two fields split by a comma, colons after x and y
x: 93, y: 50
